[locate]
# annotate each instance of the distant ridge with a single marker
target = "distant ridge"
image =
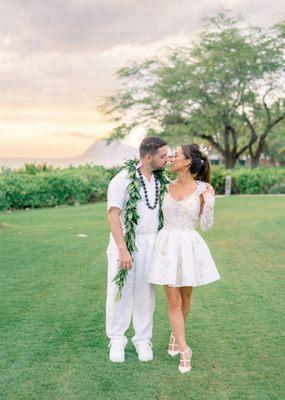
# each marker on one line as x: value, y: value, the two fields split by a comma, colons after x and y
x: 114, y: 153
x: 99, y: 153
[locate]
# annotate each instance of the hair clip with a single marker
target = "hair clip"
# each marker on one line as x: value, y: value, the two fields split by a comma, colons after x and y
x: 203, y: 149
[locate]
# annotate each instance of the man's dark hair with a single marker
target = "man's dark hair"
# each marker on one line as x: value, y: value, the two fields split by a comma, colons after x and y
x: 150, y: 145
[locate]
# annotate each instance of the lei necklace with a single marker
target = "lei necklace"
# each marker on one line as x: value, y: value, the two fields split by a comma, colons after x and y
x: 131, y: 213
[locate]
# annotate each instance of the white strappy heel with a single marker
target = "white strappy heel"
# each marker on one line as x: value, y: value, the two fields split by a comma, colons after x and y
x: 184, y: 360
x: 173, y: 349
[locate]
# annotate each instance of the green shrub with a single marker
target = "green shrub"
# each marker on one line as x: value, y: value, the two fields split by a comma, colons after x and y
x: 258, y: 180
x: 42, y: 186
x: 218, y: 178
x: 278, y: 188
x: 48, y: 188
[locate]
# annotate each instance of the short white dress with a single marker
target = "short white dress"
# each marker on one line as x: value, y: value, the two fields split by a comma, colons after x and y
x: 181, y: 256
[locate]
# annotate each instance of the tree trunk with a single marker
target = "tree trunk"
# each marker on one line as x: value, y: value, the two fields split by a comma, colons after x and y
x: 255, y: 156
x: 254, y: 162
x: 230, y: 161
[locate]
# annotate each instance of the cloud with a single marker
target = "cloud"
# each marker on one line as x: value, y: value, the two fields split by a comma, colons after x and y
x: 64, y: 49
x: 79, y: 135
x: 30, y: 27
x: 71, y: 26
x: 58, y: 57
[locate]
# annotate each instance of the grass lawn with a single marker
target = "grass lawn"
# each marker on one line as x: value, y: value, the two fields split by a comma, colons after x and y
x: 52, y: 296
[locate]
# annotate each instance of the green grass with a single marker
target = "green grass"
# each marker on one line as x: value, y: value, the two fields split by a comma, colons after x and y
x: 53, y: 288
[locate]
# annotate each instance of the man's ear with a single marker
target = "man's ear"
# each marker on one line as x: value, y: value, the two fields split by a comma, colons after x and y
x: 148, y: 158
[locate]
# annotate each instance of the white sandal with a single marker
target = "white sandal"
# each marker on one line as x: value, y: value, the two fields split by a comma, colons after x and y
x: 184, y: 360
x: 173, y: 349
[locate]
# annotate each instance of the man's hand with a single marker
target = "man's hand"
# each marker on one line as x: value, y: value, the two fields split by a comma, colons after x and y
x: 125, y: 259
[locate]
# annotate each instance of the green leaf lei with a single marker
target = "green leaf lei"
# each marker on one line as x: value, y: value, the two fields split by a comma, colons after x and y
x: 132, y: 216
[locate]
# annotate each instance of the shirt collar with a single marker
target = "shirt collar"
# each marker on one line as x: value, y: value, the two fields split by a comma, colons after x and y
x: 140, y: 164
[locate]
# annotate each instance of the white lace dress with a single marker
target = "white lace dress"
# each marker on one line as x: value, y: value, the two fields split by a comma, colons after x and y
x: 181, y: 256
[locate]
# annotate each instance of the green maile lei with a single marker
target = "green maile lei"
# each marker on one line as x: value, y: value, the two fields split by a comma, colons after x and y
x: 132, y: 216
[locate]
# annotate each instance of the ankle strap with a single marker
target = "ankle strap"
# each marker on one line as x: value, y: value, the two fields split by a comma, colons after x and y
x: 185, y: 351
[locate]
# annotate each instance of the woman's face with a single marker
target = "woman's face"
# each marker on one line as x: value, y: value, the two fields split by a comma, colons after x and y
x: 178, y: 162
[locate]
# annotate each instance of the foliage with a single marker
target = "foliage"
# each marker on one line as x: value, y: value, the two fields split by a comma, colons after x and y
x: 259, y: 180
x: 88, y: 184
x: 275, y: 148
x: 248, y: 181
x: 226, y: 89
x: 35, y: 188
x: 278, y: 188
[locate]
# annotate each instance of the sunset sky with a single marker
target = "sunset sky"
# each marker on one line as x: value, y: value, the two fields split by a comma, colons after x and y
x: 59, y: 58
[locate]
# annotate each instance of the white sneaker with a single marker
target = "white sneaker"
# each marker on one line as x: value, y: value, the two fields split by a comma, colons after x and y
x: 117, y: 351
x: 144, y: 350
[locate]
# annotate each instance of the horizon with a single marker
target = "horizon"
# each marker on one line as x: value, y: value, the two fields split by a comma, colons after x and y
x: 60, y: 60
x: 81, y: 155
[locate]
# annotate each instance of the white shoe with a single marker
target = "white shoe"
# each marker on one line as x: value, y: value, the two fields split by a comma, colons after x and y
x: 117, y: 351
x: 144, y: 350
x: 173, y: 348
x: 185, y: 358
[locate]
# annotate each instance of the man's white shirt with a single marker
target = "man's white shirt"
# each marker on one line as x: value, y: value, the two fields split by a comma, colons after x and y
x: 118, y: 196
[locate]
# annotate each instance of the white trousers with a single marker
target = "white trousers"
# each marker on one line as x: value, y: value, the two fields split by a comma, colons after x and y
x: 138, y: 296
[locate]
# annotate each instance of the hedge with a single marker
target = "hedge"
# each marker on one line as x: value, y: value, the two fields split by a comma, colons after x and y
x: 71, y: 186
x: 34, y: 187
x: 249, y: 181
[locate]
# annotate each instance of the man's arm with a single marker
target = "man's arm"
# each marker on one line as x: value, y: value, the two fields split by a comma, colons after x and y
x: 125, y: 260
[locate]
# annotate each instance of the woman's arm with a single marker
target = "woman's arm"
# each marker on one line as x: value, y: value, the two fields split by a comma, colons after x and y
x: 207, y: 208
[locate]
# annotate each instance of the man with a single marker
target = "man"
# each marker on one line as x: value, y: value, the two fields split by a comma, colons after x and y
x: 138, y: 296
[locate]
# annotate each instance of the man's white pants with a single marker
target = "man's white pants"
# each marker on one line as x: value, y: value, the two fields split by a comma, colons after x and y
x: 138, y: 296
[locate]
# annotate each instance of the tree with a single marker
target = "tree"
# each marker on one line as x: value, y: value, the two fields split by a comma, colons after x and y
x: 267, y: 120
x: 267, y: 117
x: 275, y: 148
x: 222, y: 90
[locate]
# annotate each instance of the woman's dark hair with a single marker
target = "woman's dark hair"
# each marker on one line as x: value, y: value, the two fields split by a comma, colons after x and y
x: 200, y: 164
x: 150, y: 145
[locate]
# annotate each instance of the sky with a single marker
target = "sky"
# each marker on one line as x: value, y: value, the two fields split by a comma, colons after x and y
x: 58, y: 60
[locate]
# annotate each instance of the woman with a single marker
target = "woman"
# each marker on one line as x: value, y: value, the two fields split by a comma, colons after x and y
x: 182, y: 259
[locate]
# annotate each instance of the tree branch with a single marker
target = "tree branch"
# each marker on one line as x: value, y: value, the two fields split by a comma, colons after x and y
x: 267, y: 113
x: 212, y: 141
x: 247, y: 146
x: 253, y: 136
x: 251, y: 127
x: 278, y: 119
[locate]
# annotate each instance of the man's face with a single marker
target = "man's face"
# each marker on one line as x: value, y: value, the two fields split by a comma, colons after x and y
x: 159, y: 160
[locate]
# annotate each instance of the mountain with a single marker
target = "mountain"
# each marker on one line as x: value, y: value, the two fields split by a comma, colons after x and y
x: 102, y: 153
x: 99, y: 153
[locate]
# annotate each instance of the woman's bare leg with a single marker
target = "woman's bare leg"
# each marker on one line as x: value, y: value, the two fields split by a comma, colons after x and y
x: 186, y: 296
x: 175, y: 315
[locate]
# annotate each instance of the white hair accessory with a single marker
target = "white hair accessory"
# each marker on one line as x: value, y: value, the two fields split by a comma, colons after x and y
x: 204, y: 149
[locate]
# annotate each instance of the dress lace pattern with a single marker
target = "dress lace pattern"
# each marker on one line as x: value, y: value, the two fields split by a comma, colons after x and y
x: 186, y: 213
x: 181, y: 256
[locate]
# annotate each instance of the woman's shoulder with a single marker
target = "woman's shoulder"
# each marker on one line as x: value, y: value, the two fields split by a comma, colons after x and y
x: 202, y: 186
x: 203, y: 183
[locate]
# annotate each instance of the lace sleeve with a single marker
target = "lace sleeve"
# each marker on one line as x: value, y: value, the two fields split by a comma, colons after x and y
x: 207, y: 216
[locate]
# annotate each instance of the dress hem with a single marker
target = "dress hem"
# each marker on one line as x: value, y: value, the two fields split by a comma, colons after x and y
x: 186, y: 284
